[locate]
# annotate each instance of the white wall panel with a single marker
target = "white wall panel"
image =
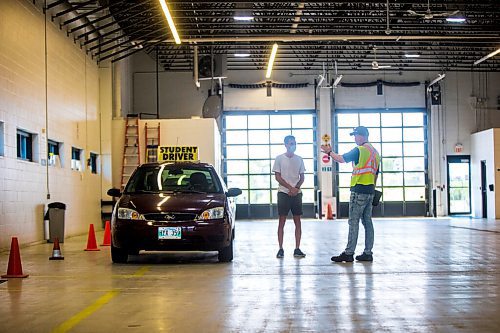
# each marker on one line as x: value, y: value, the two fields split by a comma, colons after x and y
x: 70, y: 114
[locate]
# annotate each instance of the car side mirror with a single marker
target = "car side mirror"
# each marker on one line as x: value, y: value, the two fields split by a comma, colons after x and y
x: 233, y: 192
x: 114, y: 192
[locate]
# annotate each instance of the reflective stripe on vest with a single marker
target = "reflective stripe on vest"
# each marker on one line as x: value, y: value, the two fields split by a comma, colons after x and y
x: 365, y: 174
x: 370, y: 165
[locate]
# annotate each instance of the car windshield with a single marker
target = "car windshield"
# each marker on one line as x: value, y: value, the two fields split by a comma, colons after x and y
x: 173, y: 178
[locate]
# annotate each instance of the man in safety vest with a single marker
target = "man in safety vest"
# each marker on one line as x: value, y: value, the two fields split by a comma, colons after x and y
x: 366, y: 161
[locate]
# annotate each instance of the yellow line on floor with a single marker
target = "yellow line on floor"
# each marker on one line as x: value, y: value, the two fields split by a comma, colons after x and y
x: 71, y: 322
x: 141, y: 271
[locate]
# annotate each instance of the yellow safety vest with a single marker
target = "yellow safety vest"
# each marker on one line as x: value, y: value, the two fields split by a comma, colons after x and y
x: 365, y: 171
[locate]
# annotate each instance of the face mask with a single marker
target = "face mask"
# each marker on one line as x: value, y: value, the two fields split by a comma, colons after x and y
x: 293, y: 148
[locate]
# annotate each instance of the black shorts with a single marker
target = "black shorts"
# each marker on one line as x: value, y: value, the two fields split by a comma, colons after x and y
x: 287, y: 203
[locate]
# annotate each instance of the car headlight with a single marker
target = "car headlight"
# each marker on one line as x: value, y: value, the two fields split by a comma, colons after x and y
x: 212, y: 214
x: 129, y: 214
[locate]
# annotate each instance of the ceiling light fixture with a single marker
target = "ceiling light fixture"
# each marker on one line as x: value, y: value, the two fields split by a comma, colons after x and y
x: 195, y: 67
x: 337, y: 81
x: 321, y: 79
x: 243, y: 11
x: 455, y: 19
x: 436, y: 80
x: 271, y: 61
x: 242, y: 55
x: 243, y: 18
x: 494, y: 53
x: 412, y: 55
x: 170, y: 21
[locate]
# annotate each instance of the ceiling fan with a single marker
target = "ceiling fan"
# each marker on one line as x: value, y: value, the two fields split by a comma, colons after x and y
x: 430, y: 15
x: 375, y: 64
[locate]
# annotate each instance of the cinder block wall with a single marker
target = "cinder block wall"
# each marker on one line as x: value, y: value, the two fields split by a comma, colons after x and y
x: 53, y: 96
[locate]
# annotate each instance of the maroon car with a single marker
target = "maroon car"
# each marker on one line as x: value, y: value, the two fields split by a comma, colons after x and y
x: 173, y: 207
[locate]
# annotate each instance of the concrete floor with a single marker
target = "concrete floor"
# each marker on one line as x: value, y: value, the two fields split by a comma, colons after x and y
x: 428, y: 275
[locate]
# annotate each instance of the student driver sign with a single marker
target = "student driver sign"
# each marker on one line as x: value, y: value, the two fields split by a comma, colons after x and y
x: 177, y: 153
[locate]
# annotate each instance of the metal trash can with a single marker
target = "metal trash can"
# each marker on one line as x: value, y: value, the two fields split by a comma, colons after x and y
x: 55, y: 216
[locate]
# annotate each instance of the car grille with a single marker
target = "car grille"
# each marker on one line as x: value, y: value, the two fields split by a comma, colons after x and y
x: 170, y: 217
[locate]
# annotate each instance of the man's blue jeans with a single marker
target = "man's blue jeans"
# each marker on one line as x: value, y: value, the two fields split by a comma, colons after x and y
x: 360, y: 207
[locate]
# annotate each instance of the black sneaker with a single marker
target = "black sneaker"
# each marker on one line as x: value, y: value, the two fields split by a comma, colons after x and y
x: 343, y: 257
x: 364, y: 257
x: 298, y: 254
x: 280, y: 253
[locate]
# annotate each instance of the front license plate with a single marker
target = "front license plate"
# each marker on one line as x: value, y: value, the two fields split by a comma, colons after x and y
x: 169, y: 233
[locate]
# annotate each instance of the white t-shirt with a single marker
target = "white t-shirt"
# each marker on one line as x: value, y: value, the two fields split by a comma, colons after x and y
x: 290, y: 169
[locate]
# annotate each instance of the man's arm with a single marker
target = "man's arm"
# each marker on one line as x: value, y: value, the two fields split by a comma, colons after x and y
x: 292, y: 189
x: 301, y: 181
x: 336, y: 157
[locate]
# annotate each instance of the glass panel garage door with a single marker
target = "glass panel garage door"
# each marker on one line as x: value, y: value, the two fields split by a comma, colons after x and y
x: 251, y: 142
x: 400, y: 137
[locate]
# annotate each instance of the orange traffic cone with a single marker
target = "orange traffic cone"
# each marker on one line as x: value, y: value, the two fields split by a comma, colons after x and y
x: 56, y: 251
x: 91, y: 242
x: 329, y: 213
x: 107, y: 235
x: 15, y: 268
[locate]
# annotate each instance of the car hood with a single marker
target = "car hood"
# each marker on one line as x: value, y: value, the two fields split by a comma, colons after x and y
x: 172, y: 202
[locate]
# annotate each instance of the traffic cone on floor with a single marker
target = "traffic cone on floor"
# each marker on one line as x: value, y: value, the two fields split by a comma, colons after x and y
x: 56, y: 251
x: 91, y: 242
x: 329, y: 213
x: 107, y: 235
x: 15, y: 268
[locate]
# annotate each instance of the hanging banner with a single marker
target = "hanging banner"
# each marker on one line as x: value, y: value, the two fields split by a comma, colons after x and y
x: 177, y: 153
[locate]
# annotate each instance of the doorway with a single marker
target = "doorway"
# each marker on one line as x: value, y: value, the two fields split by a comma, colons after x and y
x: 484, y: 202
x: 458, y: 184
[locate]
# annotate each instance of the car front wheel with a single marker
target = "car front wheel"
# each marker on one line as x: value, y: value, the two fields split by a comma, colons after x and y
x: 118, y: 255
x: 226, y: 254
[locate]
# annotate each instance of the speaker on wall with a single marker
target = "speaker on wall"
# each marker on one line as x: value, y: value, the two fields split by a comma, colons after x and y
x: 219, y: 62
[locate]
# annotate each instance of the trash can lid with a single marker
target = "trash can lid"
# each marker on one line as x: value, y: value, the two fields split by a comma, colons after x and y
x: 58, y: 205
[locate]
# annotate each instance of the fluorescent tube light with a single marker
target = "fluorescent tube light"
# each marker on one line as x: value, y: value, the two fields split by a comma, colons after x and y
x: 455, y: 19
x: 321, y: 79
x: 408, y: 55
x: 494, y: 53
x: 271, y: 61
x: 337, y: 81
x: 242, y: 55
x: 243, y: 18
x: 170, y: 21
x: 195, y: 66
x: 436, y: 80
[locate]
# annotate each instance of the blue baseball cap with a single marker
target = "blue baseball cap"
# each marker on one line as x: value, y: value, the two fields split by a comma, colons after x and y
x: 360, y: 130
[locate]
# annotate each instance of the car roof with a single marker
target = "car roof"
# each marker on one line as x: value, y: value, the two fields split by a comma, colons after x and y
x: 181, y: 164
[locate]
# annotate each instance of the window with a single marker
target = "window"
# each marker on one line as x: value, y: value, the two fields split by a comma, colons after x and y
x: 93, y: 163
x: 2, y: 151
x: 53, y: 152
x: 24, y: 145
x: 400, y: 137
x: 459, y: 184
x: 76, y: 161
x: 252, y: 142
